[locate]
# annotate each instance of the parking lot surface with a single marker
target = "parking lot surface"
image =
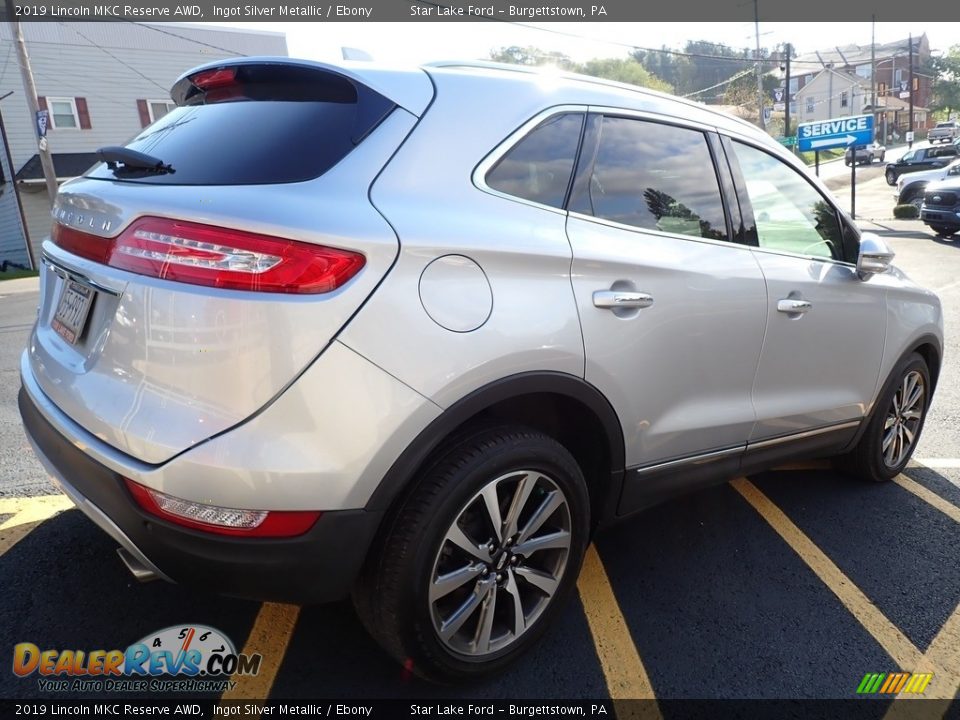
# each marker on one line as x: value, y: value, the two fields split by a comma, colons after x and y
x: 794, y: 583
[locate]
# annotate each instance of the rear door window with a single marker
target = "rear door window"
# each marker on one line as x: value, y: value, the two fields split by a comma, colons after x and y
x: 656, y: 177
x: 269, y: 124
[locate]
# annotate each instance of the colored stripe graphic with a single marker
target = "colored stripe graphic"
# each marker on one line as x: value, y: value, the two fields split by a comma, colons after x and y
x: 894, y: 683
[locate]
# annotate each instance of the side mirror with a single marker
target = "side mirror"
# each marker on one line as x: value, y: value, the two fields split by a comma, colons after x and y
x: 875, y: 257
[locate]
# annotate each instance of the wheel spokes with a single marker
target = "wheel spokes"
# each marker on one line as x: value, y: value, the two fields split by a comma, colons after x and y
x: 550, y: 503
x: 546, y: 582
x: 463, y: 613
x: 559, y: 540
x: 519, y: 621
x: 447, y: 583
x: 491, y: 501
x: 520, y: 496
x: 485, y: 625
x: 456, y: 536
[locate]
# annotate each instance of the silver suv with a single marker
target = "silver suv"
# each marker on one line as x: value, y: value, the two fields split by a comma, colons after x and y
x: 415, y: 335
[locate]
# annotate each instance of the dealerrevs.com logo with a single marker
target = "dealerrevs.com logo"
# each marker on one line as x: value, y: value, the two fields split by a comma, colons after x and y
x: 182, y: 658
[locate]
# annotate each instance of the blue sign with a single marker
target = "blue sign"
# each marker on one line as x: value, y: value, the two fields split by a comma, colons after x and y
x: 839, y: 132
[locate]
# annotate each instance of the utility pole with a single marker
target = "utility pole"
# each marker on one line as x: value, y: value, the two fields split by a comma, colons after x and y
x: 30, y: 90
x: 910, y: 88
x: 756, y: 28
x: 873, y: 73
x: 786, y: 96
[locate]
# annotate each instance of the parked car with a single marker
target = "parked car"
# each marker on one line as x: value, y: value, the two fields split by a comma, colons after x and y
x: 910, y: 186
x: 427, y: 330
x: 924, y: 158
x: 944, y: 131
x: 941, y: 207
x: 865, y: 153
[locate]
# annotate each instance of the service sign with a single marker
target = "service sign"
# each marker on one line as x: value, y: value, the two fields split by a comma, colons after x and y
x: 838, y: 132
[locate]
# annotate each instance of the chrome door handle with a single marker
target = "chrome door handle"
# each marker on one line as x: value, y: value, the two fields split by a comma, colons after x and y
x: 610, y: 299
x: 791, y: 306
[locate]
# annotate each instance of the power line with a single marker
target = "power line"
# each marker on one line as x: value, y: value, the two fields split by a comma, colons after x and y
x: 103, y: 49
x: 742, y: 73
x: 184, y: 37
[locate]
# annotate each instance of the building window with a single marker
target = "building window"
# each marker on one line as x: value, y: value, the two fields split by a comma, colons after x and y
x: 844, y: 99
x: 794, y: 83
x: 810, y: 104
x: 898, y: 78
x: 63, y: 113
x: 864, y: 71
x: 159, y: 108
x: 807, y: 79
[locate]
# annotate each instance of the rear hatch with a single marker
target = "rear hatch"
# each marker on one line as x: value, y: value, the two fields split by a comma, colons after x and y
x: 195, y: 275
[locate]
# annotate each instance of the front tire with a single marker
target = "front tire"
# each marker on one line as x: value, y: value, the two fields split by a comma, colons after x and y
x: 891, y: 177
x: 480, y: 557
x: 895, y: 425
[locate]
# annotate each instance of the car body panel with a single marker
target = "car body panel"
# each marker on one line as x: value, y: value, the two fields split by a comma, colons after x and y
x: 834, y: 378
x: 148, y: 375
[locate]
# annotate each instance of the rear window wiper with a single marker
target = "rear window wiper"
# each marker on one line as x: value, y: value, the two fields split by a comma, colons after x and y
x: 131, y: 160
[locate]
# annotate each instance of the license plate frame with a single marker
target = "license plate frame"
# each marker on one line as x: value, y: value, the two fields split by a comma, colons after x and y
x: 73, y: 310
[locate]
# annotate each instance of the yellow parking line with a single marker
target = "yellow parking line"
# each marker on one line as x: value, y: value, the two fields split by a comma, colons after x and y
x: 269, y: 636
x: 622, y: 668
x: 947, y: 508
x: 898, y: 646
x: 28, y: 512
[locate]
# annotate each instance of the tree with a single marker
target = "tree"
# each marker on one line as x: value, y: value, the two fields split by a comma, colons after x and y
x: 530, y: 55
x: 946, y: 81
x: 625, y: 70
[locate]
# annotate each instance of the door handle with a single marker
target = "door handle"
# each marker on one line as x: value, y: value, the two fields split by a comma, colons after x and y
x: 793, y: 307
x: 612, y: 299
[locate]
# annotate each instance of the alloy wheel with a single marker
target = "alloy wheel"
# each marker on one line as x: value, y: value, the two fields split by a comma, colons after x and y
x: 500, y: 563
x: 903, y: 419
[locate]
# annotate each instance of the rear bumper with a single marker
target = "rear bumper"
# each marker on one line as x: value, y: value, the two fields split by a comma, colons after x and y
x: 319, y: 566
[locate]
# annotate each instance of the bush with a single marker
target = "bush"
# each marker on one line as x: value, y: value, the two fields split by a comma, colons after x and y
x: 906, y: 212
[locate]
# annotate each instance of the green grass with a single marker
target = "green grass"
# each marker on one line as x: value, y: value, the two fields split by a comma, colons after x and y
x: 809, y: 159
x: 14, y: 273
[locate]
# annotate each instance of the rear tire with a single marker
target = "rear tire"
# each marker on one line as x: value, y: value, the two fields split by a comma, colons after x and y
x: 457, y: 587
x: 895, y: 424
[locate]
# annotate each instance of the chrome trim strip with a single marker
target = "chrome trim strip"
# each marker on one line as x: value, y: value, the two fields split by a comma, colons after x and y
x: 801, y: 435
x: 658, y: 233
x: 68, y: 274
x: 690, y: 460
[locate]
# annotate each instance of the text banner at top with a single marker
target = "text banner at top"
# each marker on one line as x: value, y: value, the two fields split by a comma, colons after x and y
x: 507, y: 11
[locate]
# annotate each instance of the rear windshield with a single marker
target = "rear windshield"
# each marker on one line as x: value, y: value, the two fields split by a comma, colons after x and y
x: 275, y: 124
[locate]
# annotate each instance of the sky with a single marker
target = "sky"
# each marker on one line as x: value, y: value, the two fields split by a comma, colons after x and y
x: 413, y: 42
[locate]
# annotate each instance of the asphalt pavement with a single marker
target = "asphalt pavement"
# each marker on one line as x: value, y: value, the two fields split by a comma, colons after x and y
x: 789, y: 584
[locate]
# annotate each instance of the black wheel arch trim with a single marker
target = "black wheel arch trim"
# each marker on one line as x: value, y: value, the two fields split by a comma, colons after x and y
x: 404, y: 468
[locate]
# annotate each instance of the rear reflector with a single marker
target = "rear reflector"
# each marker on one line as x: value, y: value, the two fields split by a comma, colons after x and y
x: 221, y: 520
x: 216, y: 257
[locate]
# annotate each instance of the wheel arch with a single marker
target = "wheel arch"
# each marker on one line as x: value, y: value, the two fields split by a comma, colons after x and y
x: 566, y: 407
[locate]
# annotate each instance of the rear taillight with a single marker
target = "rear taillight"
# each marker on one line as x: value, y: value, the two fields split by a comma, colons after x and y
x: 221, y: 520
x: 217, y: 257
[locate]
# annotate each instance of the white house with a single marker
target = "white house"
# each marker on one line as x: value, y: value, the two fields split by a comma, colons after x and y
x: 830, y: 94
x: 101, y: 83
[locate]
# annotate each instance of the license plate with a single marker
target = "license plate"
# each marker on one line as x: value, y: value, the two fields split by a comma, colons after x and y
x: 72, y: 311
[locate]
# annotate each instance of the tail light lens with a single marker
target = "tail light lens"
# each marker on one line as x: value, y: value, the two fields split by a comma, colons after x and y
x: 216, y: 257
x: 221, y: 520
